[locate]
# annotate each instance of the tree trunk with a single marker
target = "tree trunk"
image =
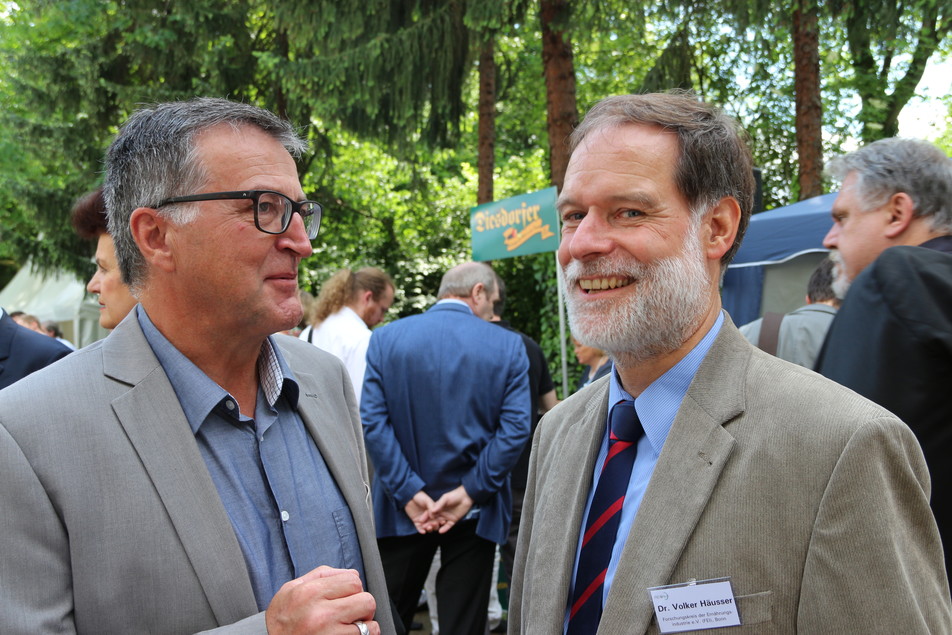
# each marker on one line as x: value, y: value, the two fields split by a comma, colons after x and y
x: 487, y: 122
x: 559, y: 70
x: 809, y: 107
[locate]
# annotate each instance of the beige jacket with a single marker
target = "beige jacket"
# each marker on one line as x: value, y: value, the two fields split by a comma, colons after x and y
x: 813, y: 500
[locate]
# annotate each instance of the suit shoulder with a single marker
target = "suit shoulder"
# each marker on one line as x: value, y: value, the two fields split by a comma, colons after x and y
x: 901, y: 270
x: 911, y: 254
x: 400, y: 324
x: 904, y: 286
x: 778, y: 390
x: 757, y: 396
x: 490, y: 331
x: 39, y: 345
x: 48, y: 394
x: 70, y: 368
x: 570, y: 410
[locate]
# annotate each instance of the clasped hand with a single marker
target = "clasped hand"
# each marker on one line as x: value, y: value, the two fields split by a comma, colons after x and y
x: 440, y: 515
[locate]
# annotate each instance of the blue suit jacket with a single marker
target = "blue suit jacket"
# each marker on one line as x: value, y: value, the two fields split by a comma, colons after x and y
x: 23, y: 351
x: 445, y: 402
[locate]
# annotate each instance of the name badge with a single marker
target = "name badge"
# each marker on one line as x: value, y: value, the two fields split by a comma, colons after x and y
x: 695, y: 606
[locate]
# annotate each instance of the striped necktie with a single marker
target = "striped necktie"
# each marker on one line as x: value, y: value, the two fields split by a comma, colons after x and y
x: 604, y: 516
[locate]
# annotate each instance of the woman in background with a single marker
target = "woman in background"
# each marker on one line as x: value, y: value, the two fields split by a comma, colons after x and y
x: 115, y: 300
x: 595, y: 360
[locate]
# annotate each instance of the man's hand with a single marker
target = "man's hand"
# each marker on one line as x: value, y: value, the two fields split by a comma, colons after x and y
x: 324, y: 600
x: 451, y: 508
x: 419, y: 509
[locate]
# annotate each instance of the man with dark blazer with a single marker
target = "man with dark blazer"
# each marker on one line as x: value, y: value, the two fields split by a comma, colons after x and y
x: 892, y: 339
x: 445, y: 409
x: 704, y: 483
x: 543, y: 398
x: 192, y: 472
x: 23, y: 351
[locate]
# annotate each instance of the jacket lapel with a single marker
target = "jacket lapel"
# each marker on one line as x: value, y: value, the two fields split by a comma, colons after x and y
x: 152, y: 418
x: 693, y: 457
x: 340, y: 450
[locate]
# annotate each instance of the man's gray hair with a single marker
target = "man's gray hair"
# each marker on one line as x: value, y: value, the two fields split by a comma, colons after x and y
x: 459, y: 281
x: 912, y: 166
x: 714, y: 161
x: 154, y: 157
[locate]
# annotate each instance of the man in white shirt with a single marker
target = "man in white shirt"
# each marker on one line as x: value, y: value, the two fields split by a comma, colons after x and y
x: 349, y: 305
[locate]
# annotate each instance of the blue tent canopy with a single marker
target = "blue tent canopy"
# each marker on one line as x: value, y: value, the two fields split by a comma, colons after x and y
x: 773, y: 237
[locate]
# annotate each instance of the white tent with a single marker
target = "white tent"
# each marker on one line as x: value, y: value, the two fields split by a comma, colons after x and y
x: 58, y: 296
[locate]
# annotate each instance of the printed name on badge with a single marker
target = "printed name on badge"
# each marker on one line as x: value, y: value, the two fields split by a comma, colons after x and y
x: 695, y: 606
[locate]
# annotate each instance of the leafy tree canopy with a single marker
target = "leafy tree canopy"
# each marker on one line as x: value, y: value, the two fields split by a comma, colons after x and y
x: 386, y: 92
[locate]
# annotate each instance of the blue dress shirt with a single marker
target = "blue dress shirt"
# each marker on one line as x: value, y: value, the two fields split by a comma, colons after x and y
x: 657, y: 407
x: 287, y: 512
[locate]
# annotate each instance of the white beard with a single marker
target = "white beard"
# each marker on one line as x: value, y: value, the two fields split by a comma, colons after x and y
x: 841, y: 283
x: 669, y: 301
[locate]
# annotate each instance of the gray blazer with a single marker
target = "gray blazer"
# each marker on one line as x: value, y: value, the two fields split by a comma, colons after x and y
x: 110, y: 522
x: 813, y: 500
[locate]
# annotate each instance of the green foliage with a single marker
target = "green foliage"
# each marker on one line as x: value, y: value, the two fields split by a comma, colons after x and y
x: 889, y: 43
x: 402, y: 215
x: 383, y: 69
x: 386, y: 91
x: 72, y: 72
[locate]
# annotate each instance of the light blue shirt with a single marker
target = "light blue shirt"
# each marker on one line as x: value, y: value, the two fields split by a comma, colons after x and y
x: 287, y: 512
x: 657, y: 407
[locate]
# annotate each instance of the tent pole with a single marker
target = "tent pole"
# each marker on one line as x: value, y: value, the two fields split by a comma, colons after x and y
x: 562, y: 347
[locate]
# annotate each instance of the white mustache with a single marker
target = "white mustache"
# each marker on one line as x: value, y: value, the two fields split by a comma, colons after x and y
x: 603, y: 268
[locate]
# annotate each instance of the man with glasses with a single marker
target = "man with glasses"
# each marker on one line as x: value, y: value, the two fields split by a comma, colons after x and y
x: 193, y: 471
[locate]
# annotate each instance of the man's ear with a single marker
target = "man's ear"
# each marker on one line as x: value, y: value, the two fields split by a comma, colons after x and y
x: 150, y: 230
x: 478, y: 288
x: 719, y: 228
x: 901, y: 211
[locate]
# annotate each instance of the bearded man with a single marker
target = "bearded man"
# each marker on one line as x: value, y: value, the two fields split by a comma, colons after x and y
x: 704, y: 484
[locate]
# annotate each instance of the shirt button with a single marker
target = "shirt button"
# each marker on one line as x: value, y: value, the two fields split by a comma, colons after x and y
x: 285, y: 516
x: 230, y: 404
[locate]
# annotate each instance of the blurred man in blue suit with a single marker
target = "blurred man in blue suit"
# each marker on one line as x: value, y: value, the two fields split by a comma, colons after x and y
x: 445, y: 409
x: 23, y: 351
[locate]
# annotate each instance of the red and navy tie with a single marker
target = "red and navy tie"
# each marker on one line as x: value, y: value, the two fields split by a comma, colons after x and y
x: 604, y: 516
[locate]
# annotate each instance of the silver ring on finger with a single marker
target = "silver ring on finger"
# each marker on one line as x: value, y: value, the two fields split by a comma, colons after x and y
x: 362, y: 628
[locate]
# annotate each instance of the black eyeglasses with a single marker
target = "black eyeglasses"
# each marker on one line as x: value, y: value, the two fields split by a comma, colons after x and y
x: 273, y: 210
